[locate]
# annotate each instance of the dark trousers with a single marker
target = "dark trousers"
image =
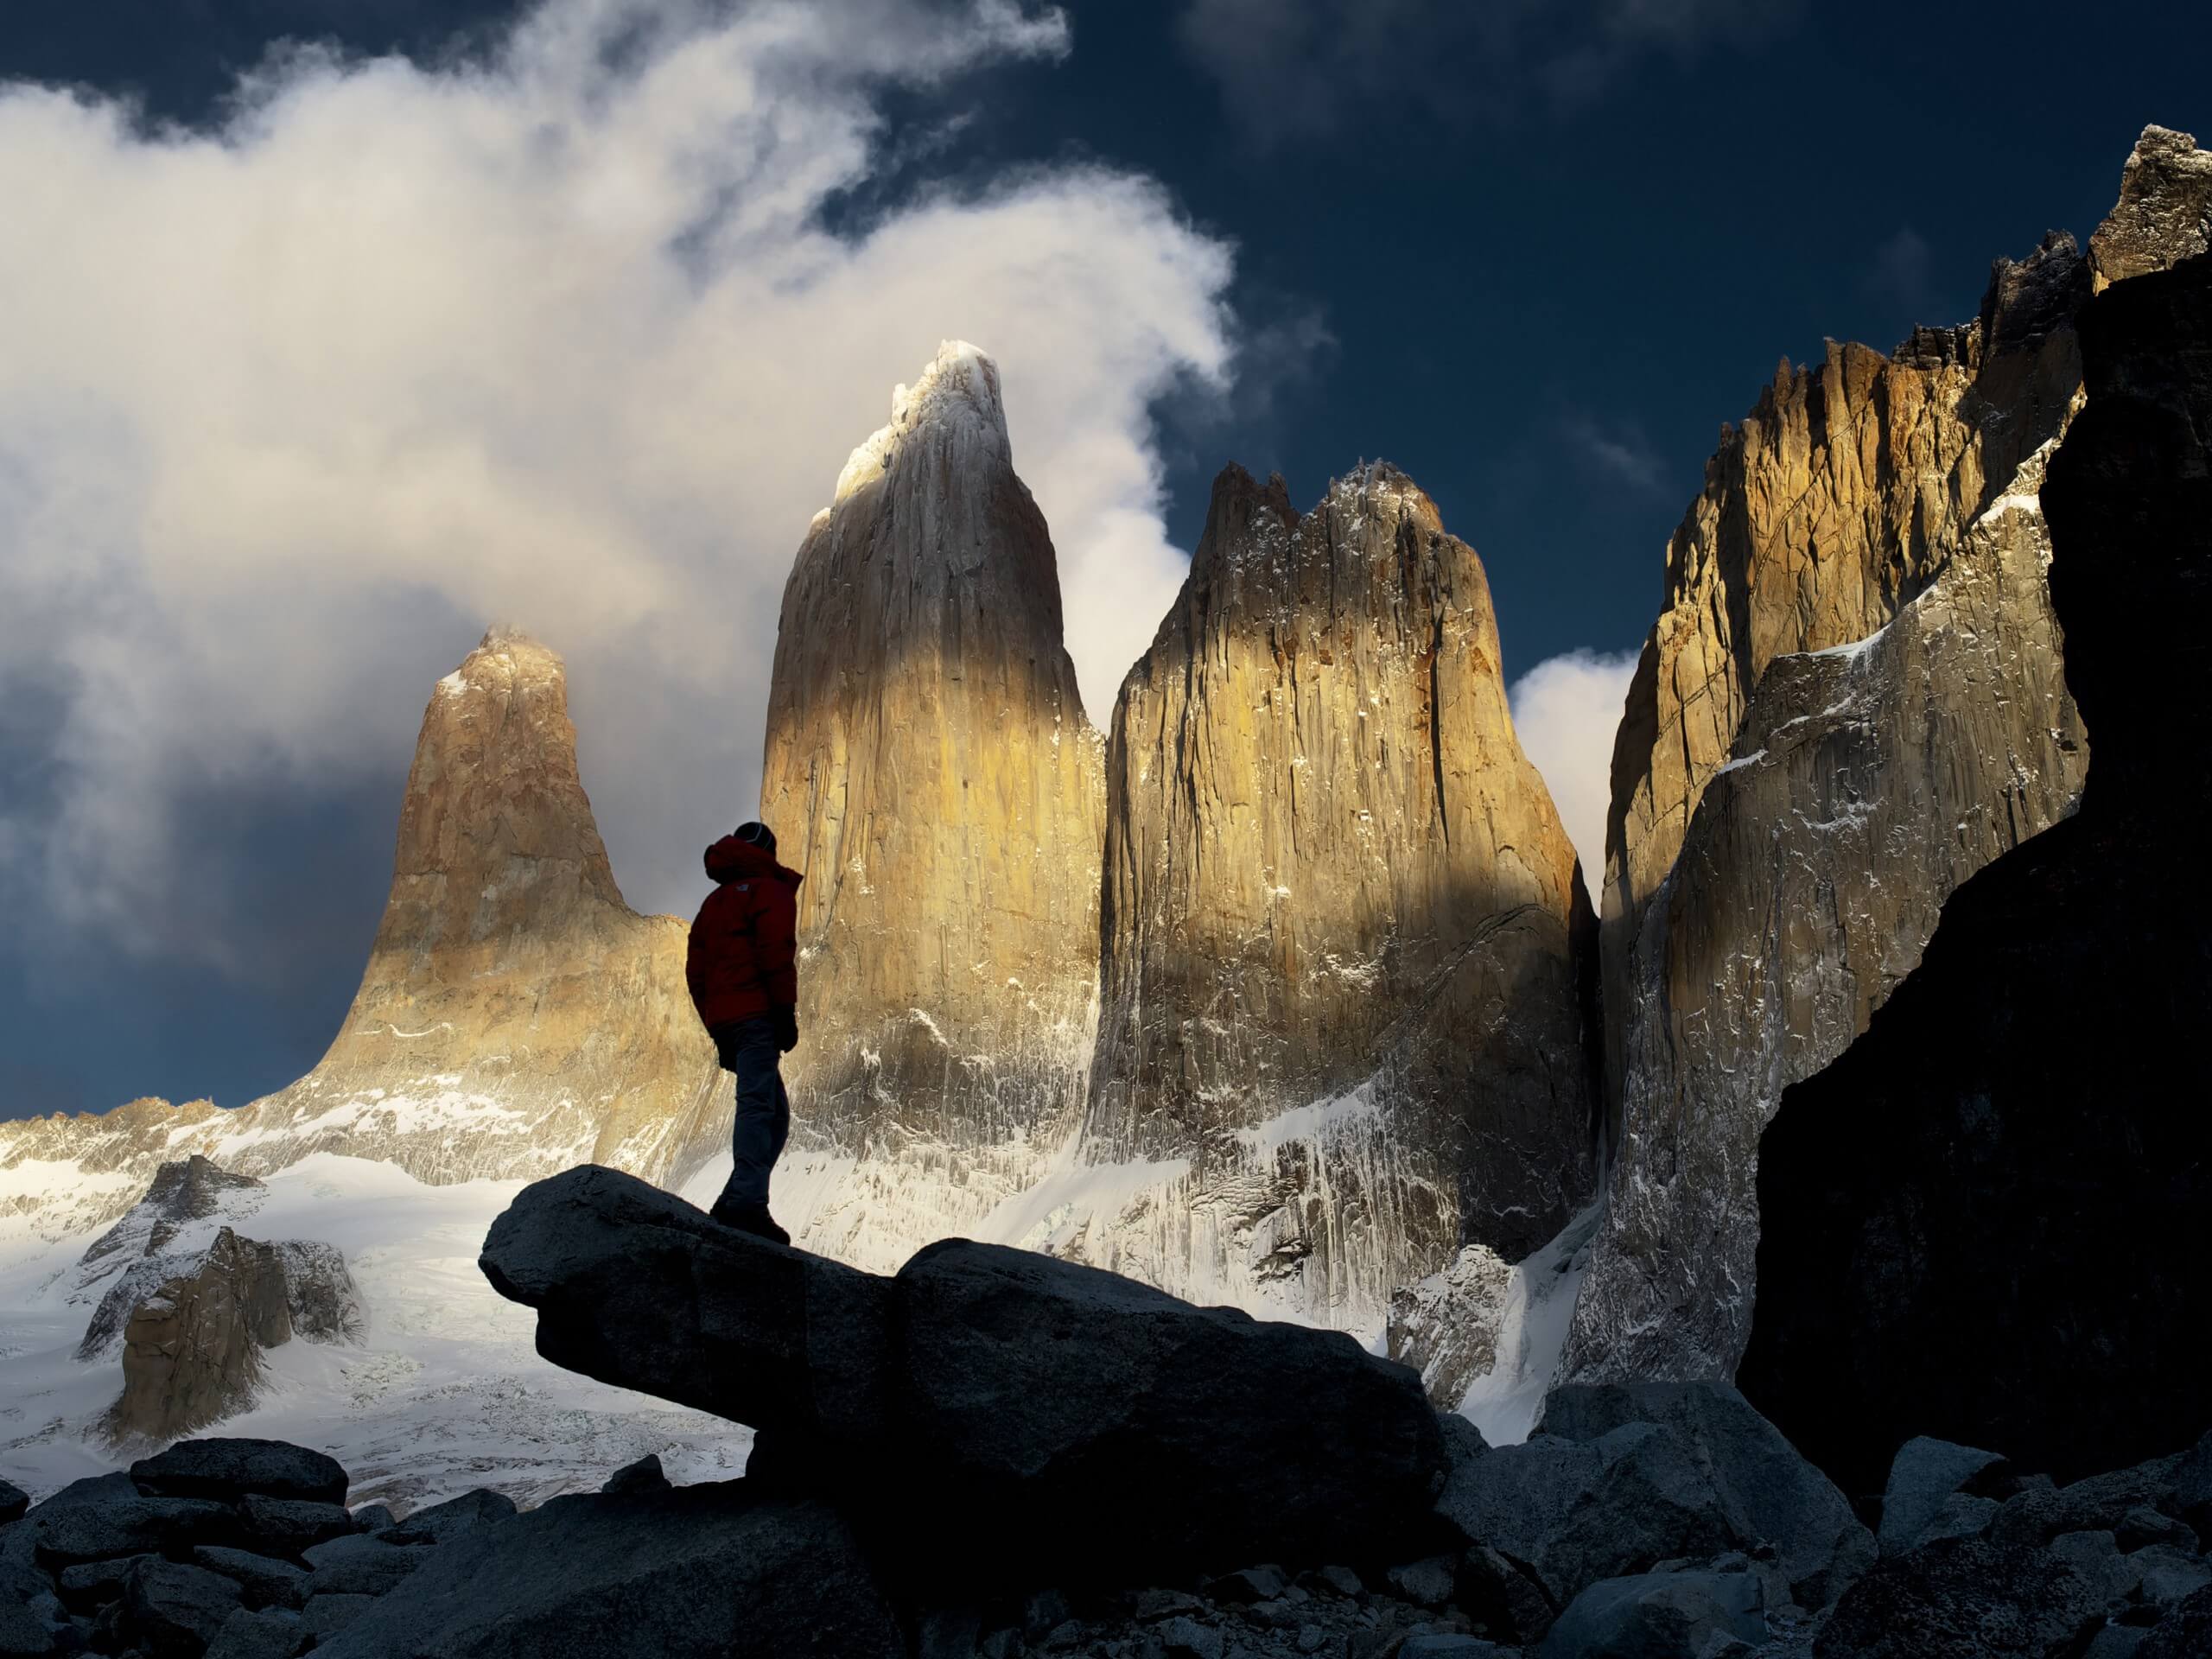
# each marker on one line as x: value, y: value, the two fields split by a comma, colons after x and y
x: 763, y: 1110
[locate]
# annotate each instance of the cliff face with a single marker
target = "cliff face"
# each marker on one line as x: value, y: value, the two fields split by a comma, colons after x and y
x: 515, y: 1016
x: 1344, y: 1011
x: 1985, y: 1220
x: 1853, y: 700
x: 930, y: 770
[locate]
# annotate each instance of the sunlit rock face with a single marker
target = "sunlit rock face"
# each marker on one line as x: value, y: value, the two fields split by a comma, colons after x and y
x: 1345, y: 1022
x: 515, y: 1016
x: 930, y: 770
x: 1853, y: 700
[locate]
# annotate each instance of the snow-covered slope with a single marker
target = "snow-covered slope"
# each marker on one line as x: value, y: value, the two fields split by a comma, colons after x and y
x: 444, y: 1392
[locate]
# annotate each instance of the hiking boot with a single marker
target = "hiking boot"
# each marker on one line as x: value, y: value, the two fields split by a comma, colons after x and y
x: 752, y: 1218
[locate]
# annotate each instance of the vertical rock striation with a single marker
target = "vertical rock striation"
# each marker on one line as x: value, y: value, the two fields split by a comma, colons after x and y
x: 930, y: 770
x: 515, y: 1016
x: 1985, y: 1220
x: 1344, y: 1015
x: 1853, y: 699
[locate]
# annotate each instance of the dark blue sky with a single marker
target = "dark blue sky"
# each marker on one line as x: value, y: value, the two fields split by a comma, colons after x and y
x: 1532, y: 262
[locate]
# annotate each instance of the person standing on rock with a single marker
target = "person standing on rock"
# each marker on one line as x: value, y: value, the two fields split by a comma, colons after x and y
x: 744, y: 982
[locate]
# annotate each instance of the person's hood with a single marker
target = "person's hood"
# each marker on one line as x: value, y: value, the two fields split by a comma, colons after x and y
x: 732, y: 859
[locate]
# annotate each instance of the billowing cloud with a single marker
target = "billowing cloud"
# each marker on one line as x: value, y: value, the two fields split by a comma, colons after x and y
x: 1292, y: 69
x: 1565, y: 711
x: 554, y: 334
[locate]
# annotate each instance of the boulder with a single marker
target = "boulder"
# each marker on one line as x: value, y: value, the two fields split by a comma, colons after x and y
x: 1499, y: 1595
x: 2166, y: 1577
x: 32, y: 1620
x: 2098, y: 1503
x: 1771, y: 1492
x: 699, y: 1571
x: 266, y: 1635
x: 289, y: 1526
x: 232, y: 1469
x: 643, y: 1476
x: 357, y: 1566
x: 326, y: 1615
x: 1573, y: 1511
x: 374, y: 1518
x: 92, y: 1584
x: 266, y: 1581
x: 13, y: 1501
x: 2184, y: 1633
x: 1307, y: 1447
x: 124, y: 1524
x: 171, y: 1609
x: 635, y: 1287
x: 441, y: 1522
x: 1659, y: 1616
x: 2143, y: 1525
x: 2095, y: 1556
x: 984, y: 1385
x: 1926, y: 1478
x: 1962, y: 1599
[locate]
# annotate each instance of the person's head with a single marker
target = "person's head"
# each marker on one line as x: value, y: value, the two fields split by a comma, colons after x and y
x: 757, y: 835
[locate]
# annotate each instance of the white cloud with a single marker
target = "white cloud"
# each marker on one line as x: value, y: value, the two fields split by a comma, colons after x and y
x: 552, y: 336
x: 1565, y: 711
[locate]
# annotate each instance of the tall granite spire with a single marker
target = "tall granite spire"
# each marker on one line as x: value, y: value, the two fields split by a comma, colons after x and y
x: 930, y: 771
x: 1344, y: 1002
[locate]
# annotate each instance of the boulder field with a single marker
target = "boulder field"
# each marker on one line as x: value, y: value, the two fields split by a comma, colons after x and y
x: 991, y: 1453
x: 996, y: 1454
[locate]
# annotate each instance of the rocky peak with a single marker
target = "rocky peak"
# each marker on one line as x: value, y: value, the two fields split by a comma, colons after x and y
x: 2165, y: 212
x: 1341, y: 995
x: 514, y: 1014
x: 1857, y: 696
x: 953, y: 411
x: 930, y: 770
x: 190, y: 1189
x: 497, y: 841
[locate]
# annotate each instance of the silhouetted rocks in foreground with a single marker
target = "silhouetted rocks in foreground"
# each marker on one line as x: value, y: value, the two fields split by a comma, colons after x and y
x: 983, y: 1387
x: 1656, y: 1521
x: 1986, y: 1220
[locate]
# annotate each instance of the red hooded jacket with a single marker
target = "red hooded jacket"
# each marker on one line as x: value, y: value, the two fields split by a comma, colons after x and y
x: 739, y: 963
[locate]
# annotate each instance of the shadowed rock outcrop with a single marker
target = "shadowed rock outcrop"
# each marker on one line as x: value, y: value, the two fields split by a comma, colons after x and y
x: 1853, y: 699
x: 983, y: 1387
x: 1345, y: 1008
x: 1985, y: 1220
x: 930, y: 770
x: 192, y: 1348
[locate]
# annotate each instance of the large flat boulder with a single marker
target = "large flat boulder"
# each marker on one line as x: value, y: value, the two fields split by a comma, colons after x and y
x: 984, y: 1386
x: 1041, y: 1382
x: 708, y: 1572
x: 1772, y: 1493
x: 230, y: 1469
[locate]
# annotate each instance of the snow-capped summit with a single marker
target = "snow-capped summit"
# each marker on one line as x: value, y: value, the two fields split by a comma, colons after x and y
x: 955, y: 404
